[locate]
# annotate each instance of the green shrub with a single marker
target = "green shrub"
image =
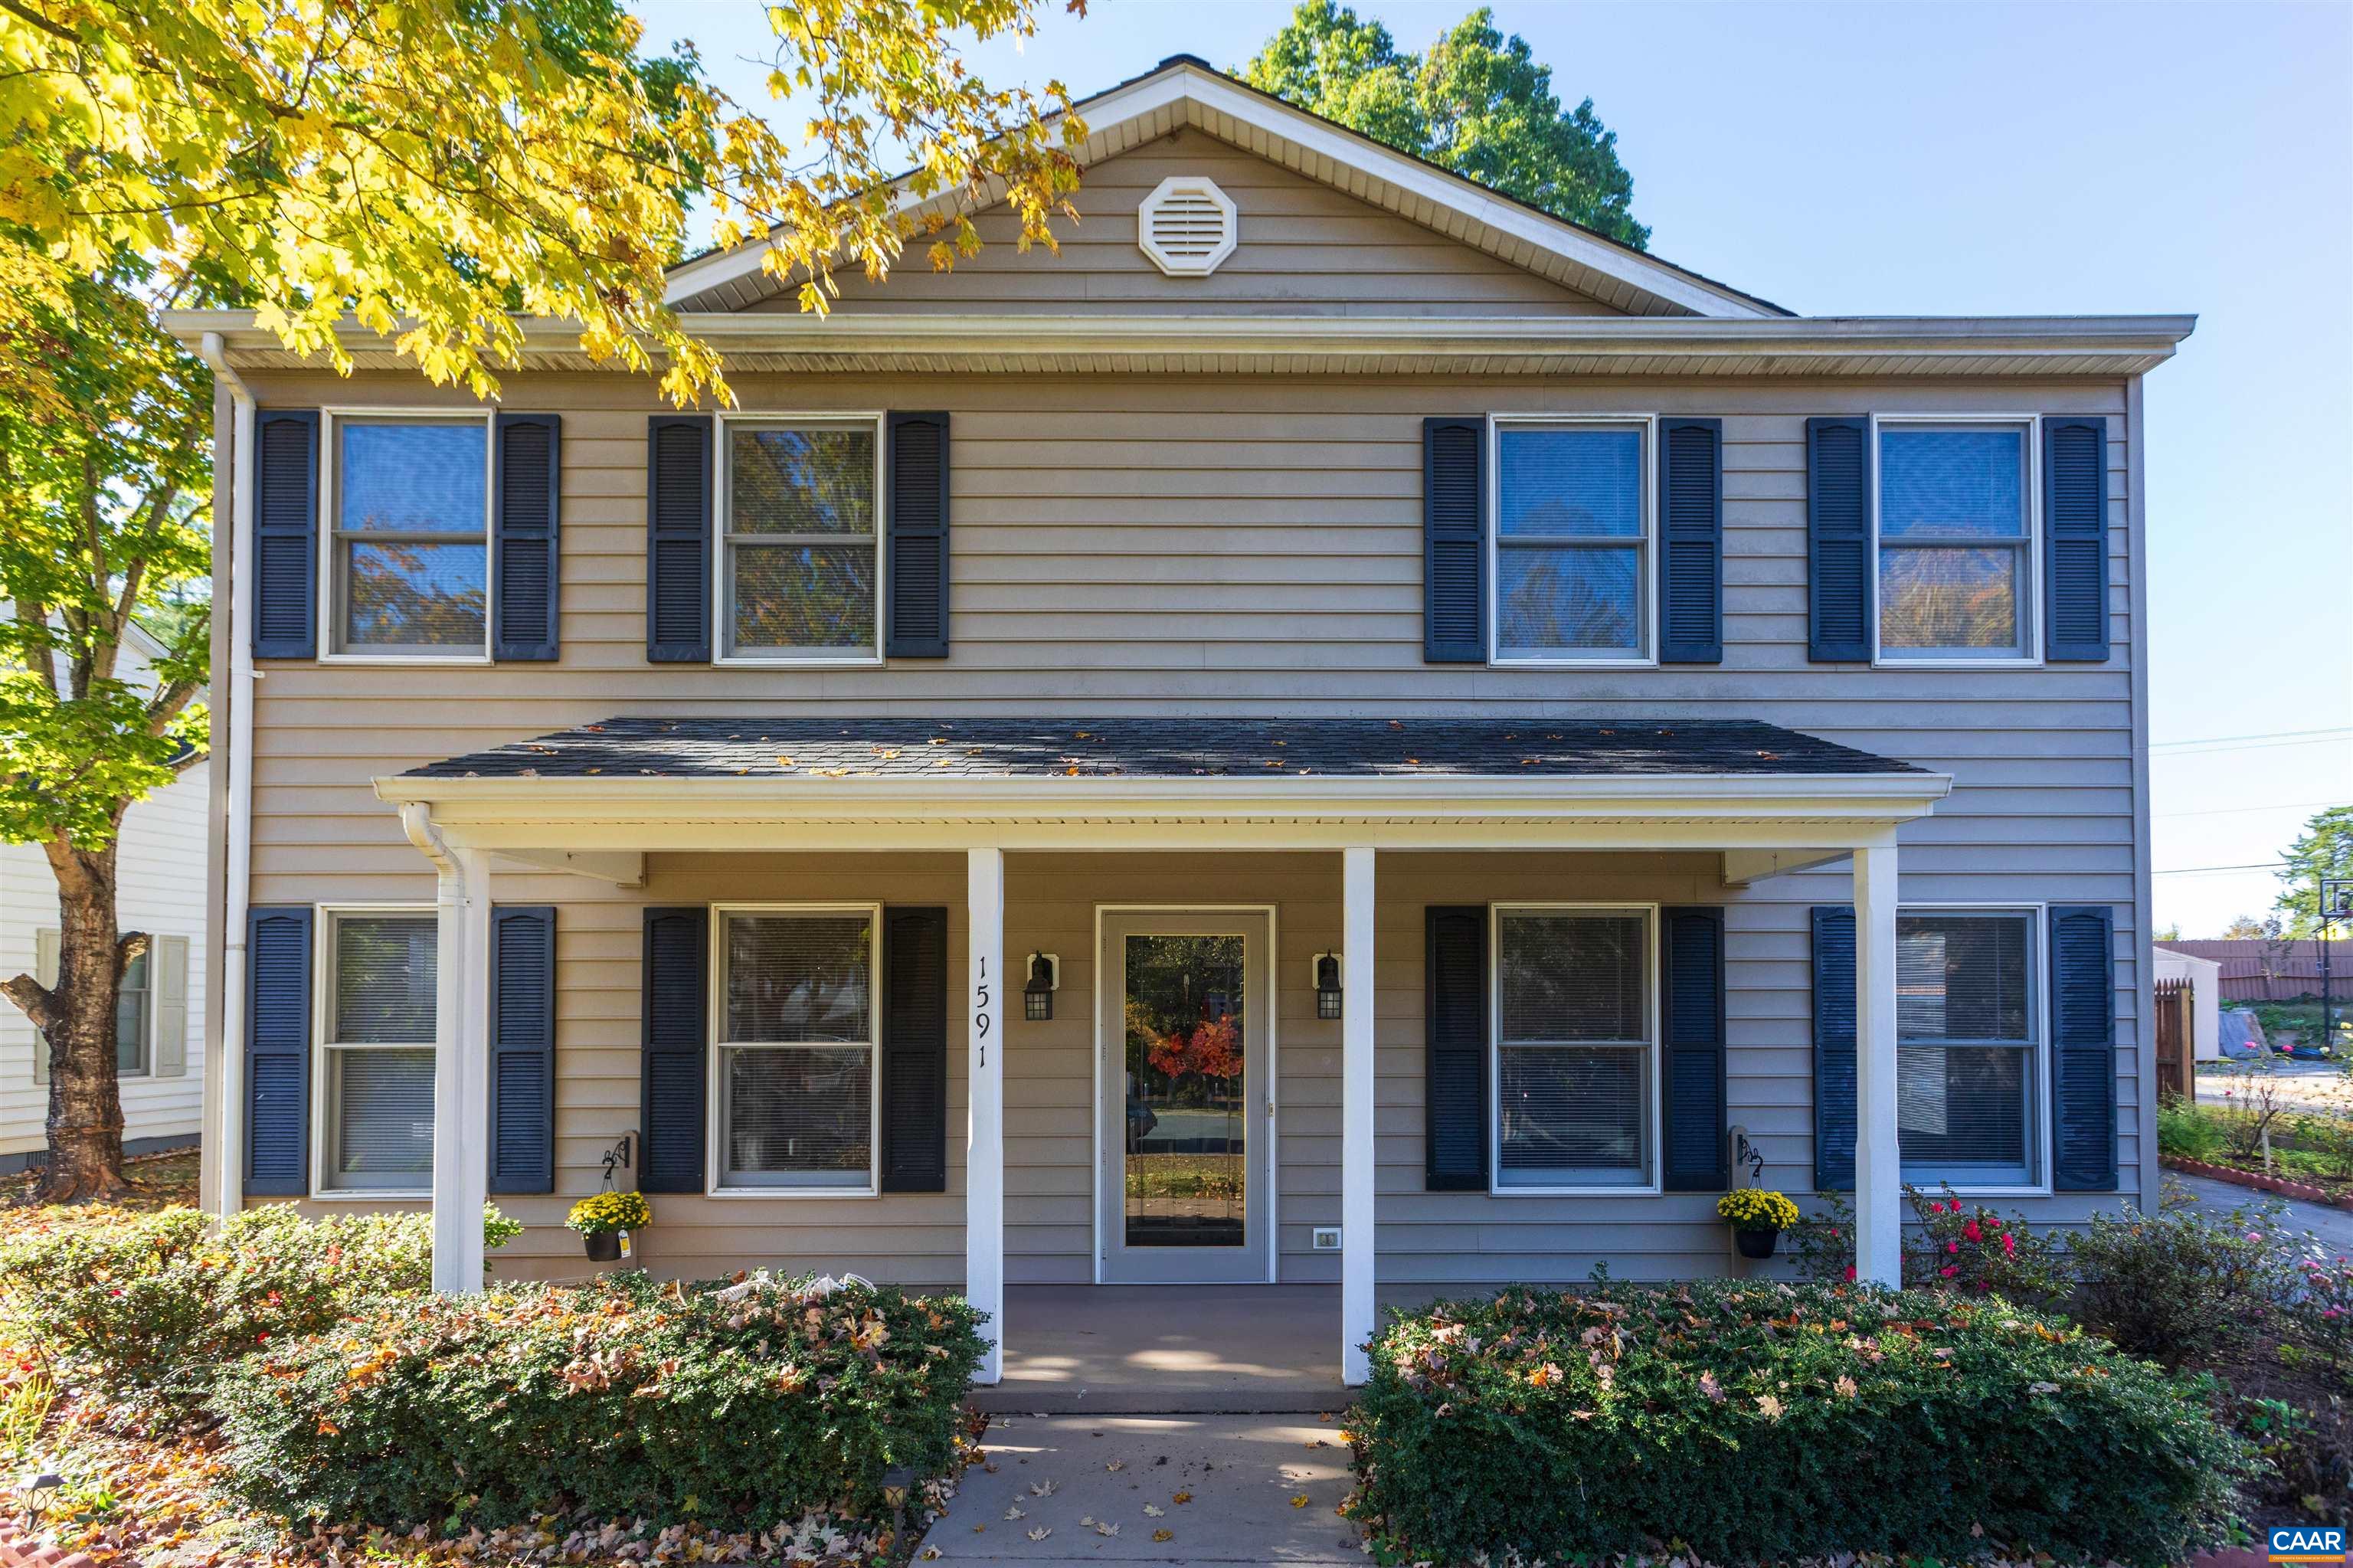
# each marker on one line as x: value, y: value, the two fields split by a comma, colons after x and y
x: 736, y: 1407
x: 2187, y: 1130
x: 1765, y: 1422
x: 2177, y: 1285
x: 153, y: 1304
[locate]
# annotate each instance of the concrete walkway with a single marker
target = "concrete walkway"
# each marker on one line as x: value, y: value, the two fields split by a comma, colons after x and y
x: 1099, y: 1488
x: 2332, y: 1227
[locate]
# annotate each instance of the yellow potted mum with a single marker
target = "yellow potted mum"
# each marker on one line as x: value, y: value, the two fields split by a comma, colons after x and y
x: 1758, y: 1217
x: 605, y: 1221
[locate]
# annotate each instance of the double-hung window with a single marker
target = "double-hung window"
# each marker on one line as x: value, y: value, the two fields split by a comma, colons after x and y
x: 1572, y: 541
x: 408, y: 559
x: 800, y: 563
x: 1576, y: 1052
x: 795, y: 1052
x: 1956, y: 536
x: 1967, y: 1046
x: 377, y: 1014
x: 134, y: 1016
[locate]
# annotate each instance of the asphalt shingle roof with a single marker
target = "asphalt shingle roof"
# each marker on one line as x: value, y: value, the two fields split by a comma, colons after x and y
x: 1160, y: 748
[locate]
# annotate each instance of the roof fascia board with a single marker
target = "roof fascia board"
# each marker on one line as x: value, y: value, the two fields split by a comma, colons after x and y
x: 2137, y: 339
x: 1191, y: 87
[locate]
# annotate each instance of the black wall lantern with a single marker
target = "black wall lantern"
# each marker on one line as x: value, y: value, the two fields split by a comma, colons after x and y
x: 1045, y: 980
x: 1328, y: 985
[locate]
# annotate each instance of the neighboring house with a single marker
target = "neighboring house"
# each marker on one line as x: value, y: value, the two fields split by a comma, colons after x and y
x: 2257, y: 968
x: 2204, y: 977
x: 160, y: 1030
x: 1339, y: 730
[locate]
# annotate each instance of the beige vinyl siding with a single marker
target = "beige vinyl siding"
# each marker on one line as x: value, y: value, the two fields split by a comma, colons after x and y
x: 1204, y: 546
x: 1306, y: 249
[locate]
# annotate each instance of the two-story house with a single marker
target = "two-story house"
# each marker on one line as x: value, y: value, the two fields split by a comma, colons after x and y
x: 1340, y: 730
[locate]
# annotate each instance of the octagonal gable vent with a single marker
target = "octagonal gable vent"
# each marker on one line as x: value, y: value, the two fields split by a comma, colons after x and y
x: 1188, y: 226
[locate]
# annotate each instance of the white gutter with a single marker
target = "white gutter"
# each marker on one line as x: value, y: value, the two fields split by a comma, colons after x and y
x: 227, y: 1131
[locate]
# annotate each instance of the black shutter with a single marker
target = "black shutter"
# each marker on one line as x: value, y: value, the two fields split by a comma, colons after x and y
x: 2076, y: 539
x: 285, y: 534
x: 1838, y: 569
x: 1454, y: 541
x: 1834, y: 1048
x: 529, y: 487
x: 917, y: 531
x: 277, y: 1052
x: 916, y: 1051
x: 1454, y: 1073
x: 675, y: 988
x: 522, y: 1049
x: 1690, y: 541
x: 2083, y: 1047
x: 678, y: 538
x: 1691, y: 1023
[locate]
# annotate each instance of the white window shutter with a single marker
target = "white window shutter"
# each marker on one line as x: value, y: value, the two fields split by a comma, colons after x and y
x: 45, y: 969
x: 169, y: 968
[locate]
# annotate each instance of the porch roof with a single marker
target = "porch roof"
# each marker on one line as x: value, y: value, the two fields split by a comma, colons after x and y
x: 1146, y: 749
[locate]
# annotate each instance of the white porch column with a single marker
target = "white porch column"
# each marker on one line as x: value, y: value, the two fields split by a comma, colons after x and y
x: 462, y: 1070
x: 983, y: 1167
x: 1355, y: 1113
x: 1878, y: 1170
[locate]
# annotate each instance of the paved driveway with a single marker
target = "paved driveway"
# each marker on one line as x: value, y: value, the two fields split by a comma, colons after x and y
x: 2333, y: 1228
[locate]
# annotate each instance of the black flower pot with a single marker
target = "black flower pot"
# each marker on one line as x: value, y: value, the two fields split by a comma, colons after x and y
x: 1757, y: 1243
x: 605, y: 1247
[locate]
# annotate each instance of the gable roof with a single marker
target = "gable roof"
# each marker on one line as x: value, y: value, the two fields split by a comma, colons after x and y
x: 1183, y: 90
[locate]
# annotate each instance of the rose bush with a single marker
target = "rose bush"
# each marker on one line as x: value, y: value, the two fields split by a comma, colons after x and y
x: 738, y: 1408
x: 1769, y: 1422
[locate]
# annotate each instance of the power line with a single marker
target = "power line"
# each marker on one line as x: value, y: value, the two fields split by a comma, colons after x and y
x: 2268, y: 735
x: 2234, y: 811
x: 2204, y: 870
x: 2248, y: 746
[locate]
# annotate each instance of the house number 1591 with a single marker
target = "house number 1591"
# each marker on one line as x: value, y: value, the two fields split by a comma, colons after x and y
x: 980, y: 1012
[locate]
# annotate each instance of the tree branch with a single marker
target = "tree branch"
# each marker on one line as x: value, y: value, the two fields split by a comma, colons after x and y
x: 35, y: 18
x: 33, y: 1000
x: 128, y: 948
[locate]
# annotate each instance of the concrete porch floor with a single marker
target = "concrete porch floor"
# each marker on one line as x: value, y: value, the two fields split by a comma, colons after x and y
x: 1169, y: 1350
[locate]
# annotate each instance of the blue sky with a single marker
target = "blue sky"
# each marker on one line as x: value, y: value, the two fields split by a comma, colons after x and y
x: 1871, y: 159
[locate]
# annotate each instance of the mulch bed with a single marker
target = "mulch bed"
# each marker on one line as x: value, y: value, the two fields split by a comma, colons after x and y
x: 2286, y: 1187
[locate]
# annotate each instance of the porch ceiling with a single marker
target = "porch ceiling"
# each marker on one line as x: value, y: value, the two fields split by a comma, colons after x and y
x: 641, y: 784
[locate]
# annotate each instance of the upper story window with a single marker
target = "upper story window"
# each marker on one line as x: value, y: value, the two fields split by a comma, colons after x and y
x: 1575, y: 1071
x: 408, y: 549
x: 797, y: 1056
x: 1955, y: 528
x: 1572, y: 542
x: 1967, y: 1043
x: 800, y: 567
x: 377, y: 1018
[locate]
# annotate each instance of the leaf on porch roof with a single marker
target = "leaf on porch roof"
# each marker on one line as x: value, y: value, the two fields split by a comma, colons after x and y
x: 784, y: 762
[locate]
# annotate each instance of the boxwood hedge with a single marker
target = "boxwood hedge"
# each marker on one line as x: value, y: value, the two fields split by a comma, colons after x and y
x: 1752, y: 1422
x: 737, y: 1407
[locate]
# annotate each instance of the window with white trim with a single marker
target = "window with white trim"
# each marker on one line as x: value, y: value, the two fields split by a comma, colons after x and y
x: 800, y: 566
x: 408, y: 535
x: 135, y: 1019
x: 1967, y: 1046
x: 1956, y: 536
x: 796, y: 1048
x: 1572, y: 541
x: 1576, y: 1045
x: 377, y: 1018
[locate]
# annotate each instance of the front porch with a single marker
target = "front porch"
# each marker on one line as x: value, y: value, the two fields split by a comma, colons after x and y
x: 1373, y: 825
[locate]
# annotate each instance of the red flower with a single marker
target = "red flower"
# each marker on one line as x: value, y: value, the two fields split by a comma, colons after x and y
x: 1850, y: 1273
x: 1971, y: 1231
x: 1949, y: 1271
x: 1952, y: 1246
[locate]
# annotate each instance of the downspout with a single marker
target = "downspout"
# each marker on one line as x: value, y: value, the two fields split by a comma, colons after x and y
x: 228, y: 1132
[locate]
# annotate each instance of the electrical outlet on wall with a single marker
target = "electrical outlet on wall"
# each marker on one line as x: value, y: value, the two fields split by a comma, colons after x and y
x: 1327, y: 1238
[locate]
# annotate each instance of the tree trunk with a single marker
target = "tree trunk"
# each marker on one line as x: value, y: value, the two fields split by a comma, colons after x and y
x: 85, y: 1125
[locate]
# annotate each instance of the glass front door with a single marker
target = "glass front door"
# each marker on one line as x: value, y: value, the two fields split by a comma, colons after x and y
x: 1183, y: 1076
